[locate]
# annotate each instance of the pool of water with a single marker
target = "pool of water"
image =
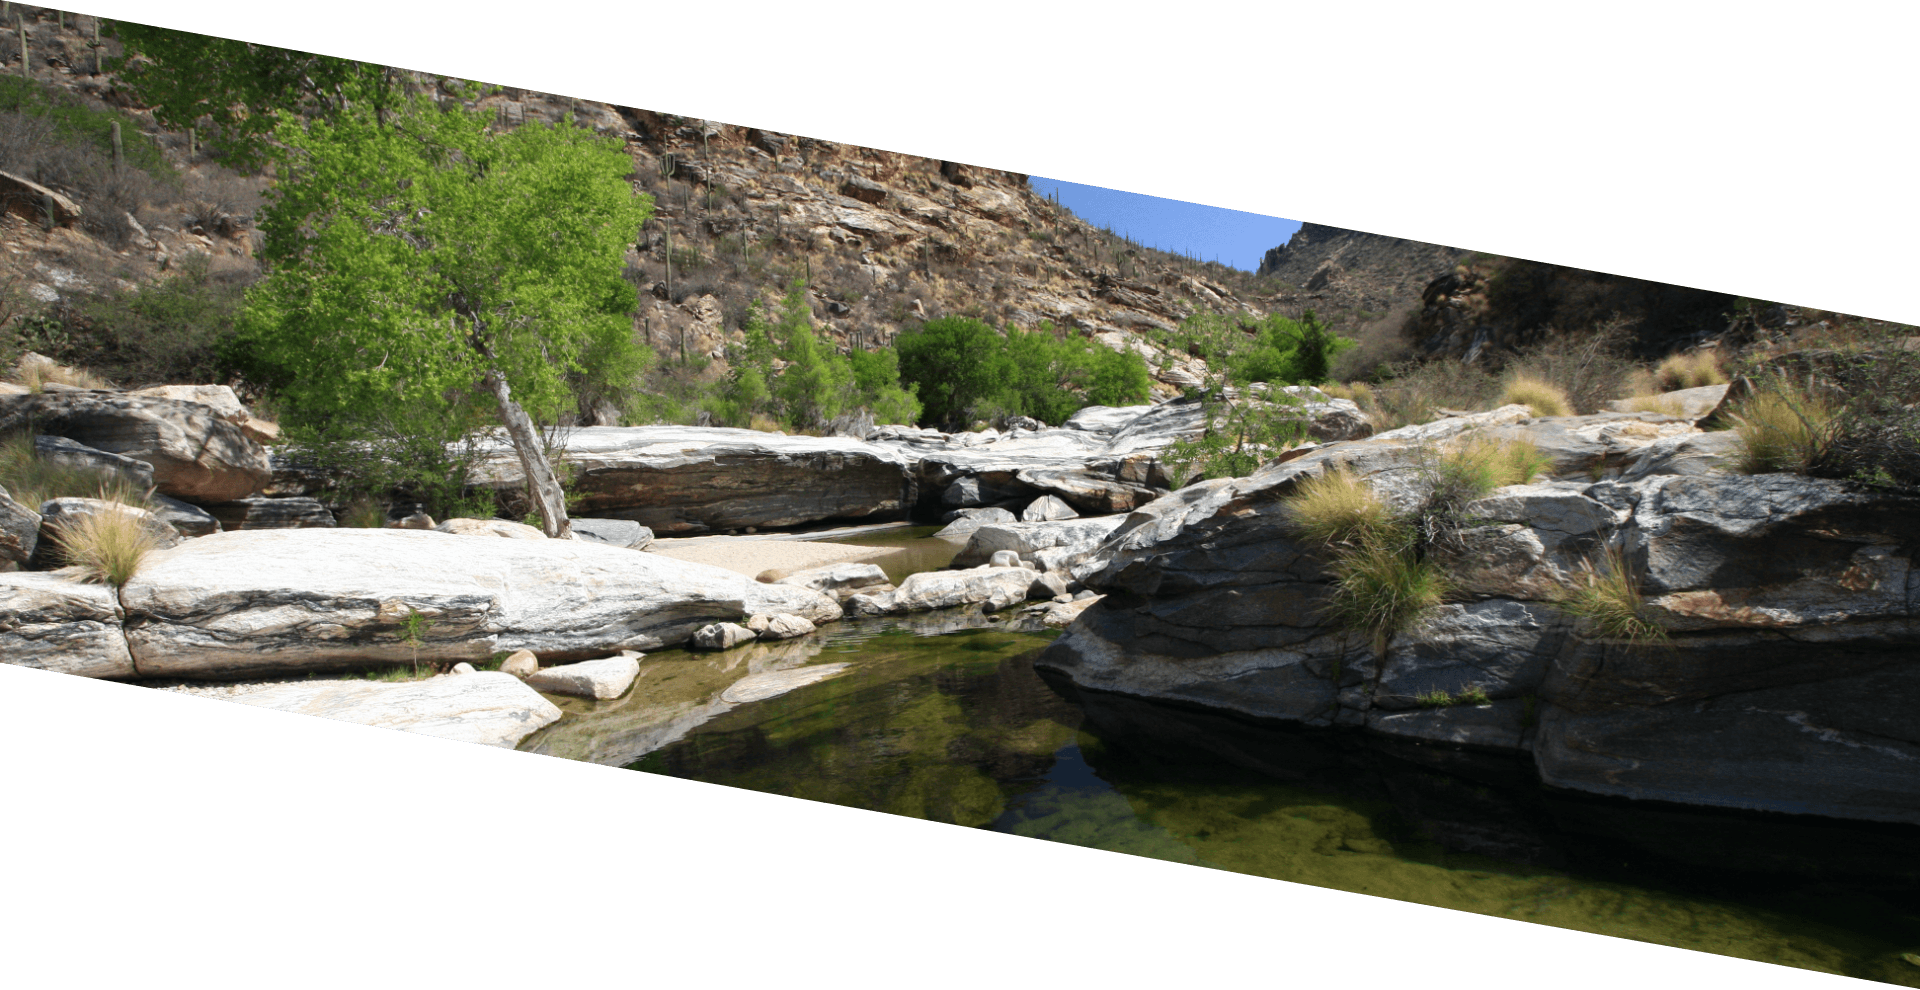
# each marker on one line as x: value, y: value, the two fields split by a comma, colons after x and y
x: 937, y: 718
x: 916, y: 549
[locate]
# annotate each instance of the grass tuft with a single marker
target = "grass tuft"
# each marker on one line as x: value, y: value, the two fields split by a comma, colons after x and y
x: 1539, y: 395
x: 36, y: 373
x: 1691, y: 370
x: 1338, y: 507
x: 31, y: 480
x: 1480, y: 463
x: 1382, y: 587
x: 1783, y: 428
x: 1606, y: 597
x: 105, y: 547
x: 1665, y: 405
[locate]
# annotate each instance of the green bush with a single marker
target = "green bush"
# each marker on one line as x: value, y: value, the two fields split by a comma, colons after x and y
x: 964, y: 370
x: 814, y: 385
x: 174, y: 330
x: 1276, y: 349
x: 75, y: 121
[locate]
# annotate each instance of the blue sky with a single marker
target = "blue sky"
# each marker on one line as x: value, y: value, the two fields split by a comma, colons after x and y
x: 1235, y: 239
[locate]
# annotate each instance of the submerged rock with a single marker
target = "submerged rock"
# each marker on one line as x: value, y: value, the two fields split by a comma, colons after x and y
x: 485, y: 707
x: 841, y: 581
x: 773, y: 683
x: 600, y: 680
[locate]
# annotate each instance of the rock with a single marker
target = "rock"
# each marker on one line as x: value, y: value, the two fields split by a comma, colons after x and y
x: 1049, y: 585
x: 1690, y: 454
x: 773, y: 683
x: 1059, y: 615
x: 19, y: 531
x: 601, y: 680
x: 68, y: 453
x: 678, y: 479
x: 1687, y: 403
x: 520, y: 663
x: 1585, y: 445
x: 1000, y: 586
x: 189, y: 520
x: 616, y: 532
x: 59, y: 512
x: 1004, y: 558
x: 722, y: 636
x: 486, y: 707
x: 841, y: 581
x: 490, y: 527
x: 965, y: 521
x: 219, y: 398
x: 1024, y: 539
x: 261, y: 431
x: 196, y: 456
x: 312, y: 599
x: 36, y: 203
x: 53, y: 623
x: 1047, y: 508
x: 1499, y: 726
x: 971, y: 493
x: 1103, y: 419
x: 415, y: 520
x: 782, y: 627
x: 463, y: 667
x: 271, y: 513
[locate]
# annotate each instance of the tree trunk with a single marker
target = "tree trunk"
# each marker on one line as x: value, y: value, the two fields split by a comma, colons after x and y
x: 542, y: 488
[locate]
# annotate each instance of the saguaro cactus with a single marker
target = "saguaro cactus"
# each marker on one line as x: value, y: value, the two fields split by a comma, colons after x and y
x: 119, y: 147
x: 26, y: 54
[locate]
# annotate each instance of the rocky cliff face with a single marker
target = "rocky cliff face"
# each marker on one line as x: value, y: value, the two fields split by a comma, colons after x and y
x: 1353, y: 278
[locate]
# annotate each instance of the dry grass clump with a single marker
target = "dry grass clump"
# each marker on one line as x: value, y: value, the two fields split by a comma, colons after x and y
x: 363, y: 514
x: 1383, y: 587
x: 37, y: 372
x: 1543, y: 397
x: 1481, y: 463
x: 1783, y: 428
x: 1690, y: 370
x: 1417, y: 393
x: 105, y: 547
x: 1663, y: 404
x: 1606, y: 597
x: 1338, y: 507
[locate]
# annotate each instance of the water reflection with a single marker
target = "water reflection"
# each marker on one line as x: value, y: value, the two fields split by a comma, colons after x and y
x: 916, y: 550
x: 959, y: 728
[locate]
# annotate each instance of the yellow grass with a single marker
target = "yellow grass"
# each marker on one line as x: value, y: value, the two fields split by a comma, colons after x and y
x: 1665, y: 405
x: 1691, y: 370
x: 36, y: 373
x: 1544, y: 398
x: 1486, y: 463
x: 1606, y: 596
x: 1337, y: 506
x: 107, y: 546
x: 1783, y: 429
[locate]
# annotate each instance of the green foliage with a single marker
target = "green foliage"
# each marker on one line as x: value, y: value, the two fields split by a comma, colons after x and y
x: 413, y: 252
x: 75, y: 121
x: 1275, y: 349
x: 963, y: 370
x: 1784, y: 427
x: 1244, y: 430
x: 372, y: 460
x: 1383, y: 586
x: 243, y: 88
x: 813, y: 384
x: 413, y: 631
x: 1338, y: 507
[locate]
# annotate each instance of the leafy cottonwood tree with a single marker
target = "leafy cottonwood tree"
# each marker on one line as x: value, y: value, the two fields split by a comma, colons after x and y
x: 419, y: 261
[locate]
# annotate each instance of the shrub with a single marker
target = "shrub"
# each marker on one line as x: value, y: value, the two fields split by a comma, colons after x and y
x: 1544, y: 398
x: 177, y: 329
x: 1690, y: 370
x: 963, y: 370
x: 1382, y: 587
x: 1338, y: 507
x: 1416, y: 391
x: 1662, y: 404
x: 1588, y: 369
x: 1606, y: 597
x: 106, y: 546
x: 1783, y: 427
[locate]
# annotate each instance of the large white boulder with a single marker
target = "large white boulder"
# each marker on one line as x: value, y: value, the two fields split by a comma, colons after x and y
x: 600, y: 680
x: 486, y: 707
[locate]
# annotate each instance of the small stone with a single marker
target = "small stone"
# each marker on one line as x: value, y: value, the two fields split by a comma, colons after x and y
x: 759, y: 623
x: 1004, y: 558
x: 418, y: 520
x: 786, y: 627
x: 463, y: 667
x: 601, y: 680
x: 722, y: 636
x: 521, y: 664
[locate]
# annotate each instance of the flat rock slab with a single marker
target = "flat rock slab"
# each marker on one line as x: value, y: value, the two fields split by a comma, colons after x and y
x: 773, y: 683
x: 502, y: 528
x: 73, y: 454
x: 616, y: 532
x: 600, y: 680
x: 839, y: 580
x: 271, y: 513
x: 310, y: 599
x: 487, y: 707
x: 53, y: 623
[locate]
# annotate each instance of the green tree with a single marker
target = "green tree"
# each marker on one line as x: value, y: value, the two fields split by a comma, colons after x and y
x: 953, y: 362
x: 242, y: 87
x: 419, y: 261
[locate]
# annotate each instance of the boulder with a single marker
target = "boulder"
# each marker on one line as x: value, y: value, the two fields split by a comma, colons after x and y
x: 773, y: 627
x: 614, y: 532
x: 60, y: 512
x: 196, y: 456
x: 1025, y: 538
x: 219, y: 398
x: 35, y: 203
x: 998, y: 586
x: 520, y: 663
x: 412, y: 520
x: 189, y: 520
x: 490, y: 527
x: 71, y: 454
x: 1047, y: 508
x: 19, y: 531
x: 1583, y: 446
x: 975, y: 492
x: 1686, y: 454
x: 53, y: 623
x: 680, y: 480
x: 486, y: 707
x: 965, y: 521
x: 601, y: 680
x: 1687, y: 403
x: 463, y: 667
x: 841, y: 581
x: 271, y: 513
x: 722, y: 636
x: 312, y: 599
x: 1004, y: 558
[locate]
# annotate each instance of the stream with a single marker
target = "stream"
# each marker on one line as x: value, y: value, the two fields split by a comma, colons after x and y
x: 943, y: 716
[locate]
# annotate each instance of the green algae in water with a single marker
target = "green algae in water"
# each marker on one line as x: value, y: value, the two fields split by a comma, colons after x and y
x: 958, y: 728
